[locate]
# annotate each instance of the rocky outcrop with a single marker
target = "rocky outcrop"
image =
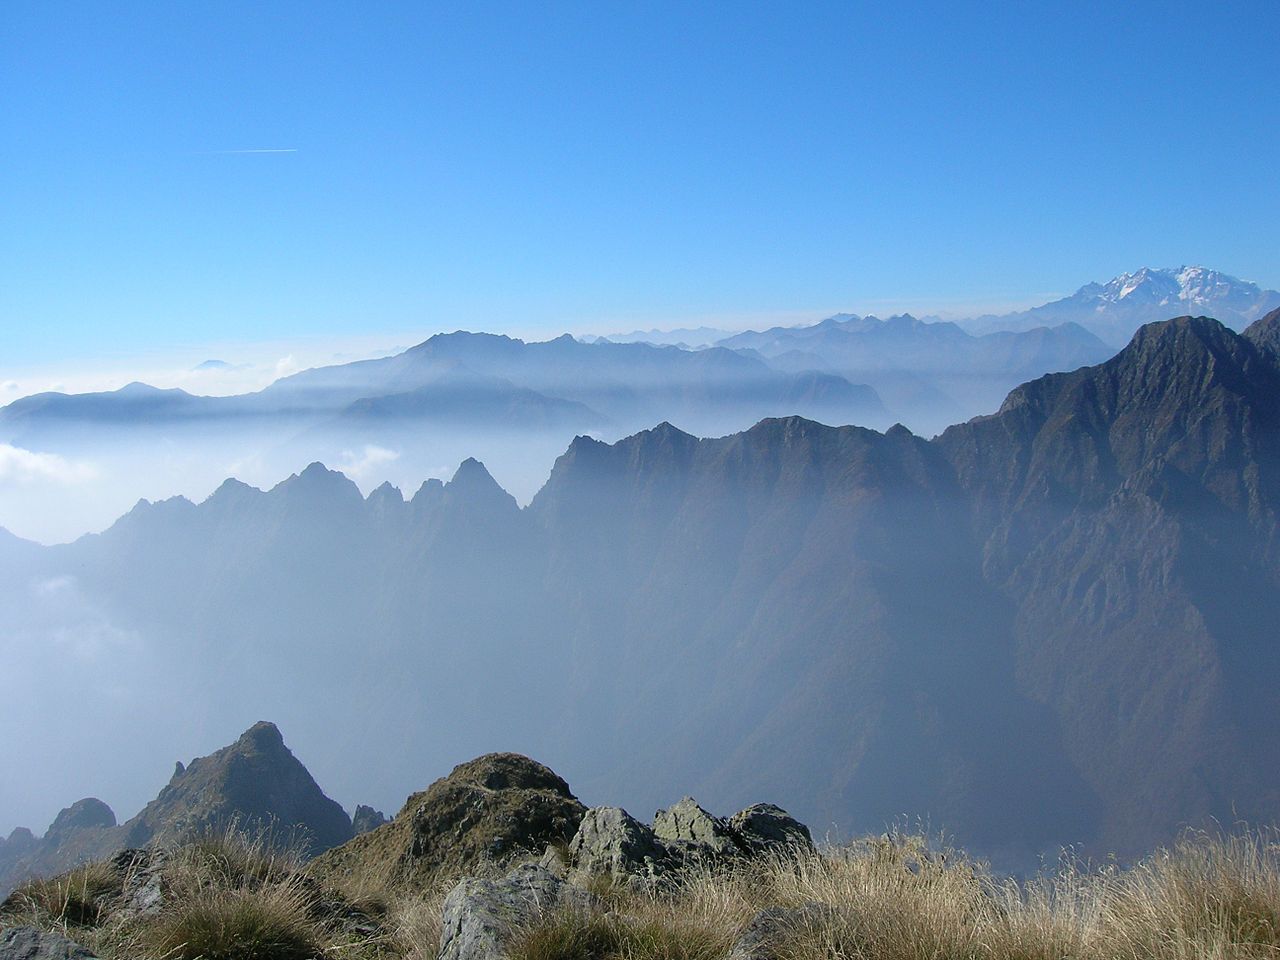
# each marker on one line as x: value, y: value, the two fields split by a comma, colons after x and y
x: 366, y: 819
x: 482, y: 918
x: 489, y: 812
x: 686, y: 828
x: 763, y: 827
x: 610, y: 842
x: 28, y: 943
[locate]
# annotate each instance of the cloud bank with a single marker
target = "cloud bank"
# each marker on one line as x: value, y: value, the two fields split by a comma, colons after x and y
x: 19, y: 466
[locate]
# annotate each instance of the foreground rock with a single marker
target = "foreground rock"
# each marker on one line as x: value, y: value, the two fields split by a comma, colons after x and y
x: 28, y: 943
x: 610, y: 842
x: 763, y: 827
x: 688, y: 830
x: 482, y: 918
x: 488, y: 813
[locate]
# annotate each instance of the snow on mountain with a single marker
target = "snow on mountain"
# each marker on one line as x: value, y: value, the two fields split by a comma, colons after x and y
x: 1115, y: 309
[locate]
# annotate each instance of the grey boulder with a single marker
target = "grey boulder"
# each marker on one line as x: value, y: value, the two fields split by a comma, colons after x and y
x: 763, y: 827
x: 28, y: 943
x: 610, y: 842
x: 482, y: 918
x: 690, y: 832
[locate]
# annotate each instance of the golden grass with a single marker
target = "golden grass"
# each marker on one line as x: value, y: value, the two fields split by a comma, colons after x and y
x: 77, y: 898
x: 266, y: 922
x: 899, y: 897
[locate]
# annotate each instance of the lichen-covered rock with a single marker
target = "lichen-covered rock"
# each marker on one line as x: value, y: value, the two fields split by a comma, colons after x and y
x: 481, y: 918
x: 689, y: 831
x: 494, y: 810
x: 28, y: 943
x: 763, y: 827
x: 610, y: 842
x: 141, y: 875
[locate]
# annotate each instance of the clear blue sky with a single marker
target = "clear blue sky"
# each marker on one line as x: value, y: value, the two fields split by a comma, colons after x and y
x: 557, y: 166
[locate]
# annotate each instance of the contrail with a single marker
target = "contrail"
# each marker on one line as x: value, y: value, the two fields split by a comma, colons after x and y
x: 261, y: 150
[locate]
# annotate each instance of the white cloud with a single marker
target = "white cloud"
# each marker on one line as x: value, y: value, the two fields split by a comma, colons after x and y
x: 286, y: 366
x: 9, y: 386
x: 26, y: 466
x: 358, y: 465
x: 53, y: 587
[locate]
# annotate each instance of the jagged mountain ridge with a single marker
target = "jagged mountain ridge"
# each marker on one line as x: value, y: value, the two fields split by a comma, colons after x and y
x: 1035, y: 629
x: 399, y: 418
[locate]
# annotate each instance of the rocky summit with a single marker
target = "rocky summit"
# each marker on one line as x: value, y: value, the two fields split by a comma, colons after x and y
x: 503, y: 809
x: 495, y: 809
x: 255, y: 784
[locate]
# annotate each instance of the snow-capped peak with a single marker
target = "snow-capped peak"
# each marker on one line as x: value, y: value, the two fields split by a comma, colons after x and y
x: 1169, y: 286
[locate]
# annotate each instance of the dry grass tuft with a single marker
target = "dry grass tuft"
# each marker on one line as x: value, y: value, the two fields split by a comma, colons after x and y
x: 229, y: 858
x: 268, y: 922
x: 658, y: 935
x: 414, y: 920
x: 77, y: 898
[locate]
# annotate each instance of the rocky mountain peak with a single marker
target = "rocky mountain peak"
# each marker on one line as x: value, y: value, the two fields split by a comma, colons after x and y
x: 473, y: 484
x: 263, y: 737
x: 1264, y: 333
x: 87, y: 813
x: 317, y: 483
x: 256, y: 783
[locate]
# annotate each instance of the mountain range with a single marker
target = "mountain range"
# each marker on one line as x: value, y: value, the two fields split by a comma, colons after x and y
x: 1115, y: 309
x: 1051, y: 624
x: 932, y: 373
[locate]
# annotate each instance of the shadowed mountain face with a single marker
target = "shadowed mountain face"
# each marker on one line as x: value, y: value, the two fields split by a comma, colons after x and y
x: 1053, y: 624
x: 1129, y: 513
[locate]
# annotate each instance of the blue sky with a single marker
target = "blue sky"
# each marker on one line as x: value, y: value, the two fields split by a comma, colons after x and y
x: 603, y: 166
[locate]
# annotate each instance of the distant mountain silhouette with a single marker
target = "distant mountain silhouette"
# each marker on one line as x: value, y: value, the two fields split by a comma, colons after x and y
x: 1051, y: 624
x: 931, y: 374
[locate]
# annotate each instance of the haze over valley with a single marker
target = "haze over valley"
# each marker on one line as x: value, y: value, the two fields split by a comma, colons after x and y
x: 855, y: 622
x: 72, y: 463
